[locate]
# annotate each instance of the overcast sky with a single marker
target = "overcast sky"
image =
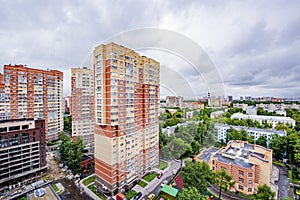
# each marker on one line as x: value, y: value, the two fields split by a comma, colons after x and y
x: 254, y: 45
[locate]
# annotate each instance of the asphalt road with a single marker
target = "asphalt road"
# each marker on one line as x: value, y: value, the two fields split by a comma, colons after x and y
x: 283, y: 182
x: 155, y: 185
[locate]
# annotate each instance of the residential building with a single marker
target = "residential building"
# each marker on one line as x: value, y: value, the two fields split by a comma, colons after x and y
x: 251, y: 110
x: 174, y: 101
x: 82, y: 105
x: 221, y: 130
x: 250, y: 165
x: 170, y: 130
x: 22, y: 152
x: 243, y: 106
x: 126, y: 117
x: 230, y: 99
x: 277, y: 107
x: 67, y: 104
x: 34, y: 93
x: 273, y: 120
x: 216, y: 114
x: 193, y: 105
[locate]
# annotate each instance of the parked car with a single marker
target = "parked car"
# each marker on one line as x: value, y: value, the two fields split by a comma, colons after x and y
x: 164, y: 183
x: 174, y: 172
x: 160, y: 175
x: 137, y: 196
x: 151, y: 197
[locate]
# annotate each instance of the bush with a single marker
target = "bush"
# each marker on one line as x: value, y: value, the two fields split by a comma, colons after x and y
x: 130, y: 194
x: 93, y: 189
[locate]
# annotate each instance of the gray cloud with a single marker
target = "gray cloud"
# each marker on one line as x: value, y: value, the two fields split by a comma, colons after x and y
x: 254, y: 44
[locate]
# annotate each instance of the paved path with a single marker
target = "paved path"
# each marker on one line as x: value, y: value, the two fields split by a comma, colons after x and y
x: 283, y: 182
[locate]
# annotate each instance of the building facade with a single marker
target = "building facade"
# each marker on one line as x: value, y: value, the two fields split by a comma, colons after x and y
x: 273, y: 120
x: 82, y: 105
x: 126, y: 117
x: 221, y: 130
x: 174, y: 101
x: 22, y: 152
x: 33, y: 93
x: 250, y: 165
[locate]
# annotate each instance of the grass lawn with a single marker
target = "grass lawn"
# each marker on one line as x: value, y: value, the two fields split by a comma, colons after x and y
x: 142, y: 184
x: 163, y: 165
x: 279, y: 163
x: 55, y: 187
x: 93, y: 189
x: 150, y: 177
x: 130, y: 194
x: 88, y: 180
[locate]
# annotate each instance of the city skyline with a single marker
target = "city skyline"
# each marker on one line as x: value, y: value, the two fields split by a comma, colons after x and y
x: 254, y: 48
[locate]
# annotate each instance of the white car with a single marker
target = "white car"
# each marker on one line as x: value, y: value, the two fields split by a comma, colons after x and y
x: 174, y: 172
x: 163, y: 183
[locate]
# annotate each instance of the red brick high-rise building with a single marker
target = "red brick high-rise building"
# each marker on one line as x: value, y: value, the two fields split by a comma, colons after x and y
x: 33, y: 93
x: 126, y: 117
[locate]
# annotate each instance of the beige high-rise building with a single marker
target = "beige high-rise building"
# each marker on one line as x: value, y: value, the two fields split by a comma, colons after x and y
x: 33, y: 93
x: 126, y: 117
x: 82, y: 105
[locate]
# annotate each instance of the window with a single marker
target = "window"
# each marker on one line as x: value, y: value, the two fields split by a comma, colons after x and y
x: 250, y: 182
x: 250, y: 174
x: 241, y: 180
x: 241, y: 172
x: 241, y: 187
x: 213, y: 162
x: 249, y: 189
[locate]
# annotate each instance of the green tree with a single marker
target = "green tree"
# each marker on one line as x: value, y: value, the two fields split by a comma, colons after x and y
x: 223, y: 180
x: 71, y: 151
x: 278, y: 144
x: 68, y: 123
x: 261, y: 140
x: 190, y: 193
x: 264, y: 193
x: 197, y: 174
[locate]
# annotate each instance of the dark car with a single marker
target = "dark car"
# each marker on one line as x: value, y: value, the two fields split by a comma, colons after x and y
x: 137, y: 196
x: 159, y: 175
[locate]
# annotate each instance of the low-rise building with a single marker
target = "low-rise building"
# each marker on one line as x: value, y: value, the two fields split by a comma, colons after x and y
x: 273, y: 120
x: 217, y: 114
x: 22, y: 152
x: 250, y: 165
x: 221, y: 130
x: 251, y: 110
x: 243, y: 106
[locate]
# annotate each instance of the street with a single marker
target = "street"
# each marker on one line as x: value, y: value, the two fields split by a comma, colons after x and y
x: 155, y: 186
x: 283, y: 182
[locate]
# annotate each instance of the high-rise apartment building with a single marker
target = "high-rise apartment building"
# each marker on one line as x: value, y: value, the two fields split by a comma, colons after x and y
x: 82, y: 105
x: 22, y: 152
x: 33, y: 93
x: 126, y: 117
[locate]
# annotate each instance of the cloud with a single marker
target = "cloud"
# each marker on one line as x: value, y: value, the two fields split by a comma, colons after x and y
x: 254, y: 44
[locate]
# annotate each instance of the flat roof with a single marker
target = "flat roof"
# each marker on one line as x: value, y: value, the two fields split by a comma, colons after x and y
x: 169, y: 190
x: 207, y: 153
x: 50, y: 195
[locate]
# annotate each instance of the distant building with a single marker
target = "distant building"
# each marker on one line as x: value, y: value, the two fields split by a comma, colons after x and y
x: 250, y: 165
x: 194, y: 105
x: 220, y: 132
x: 251, y: 110
x: 82, y: 105
x: 174, y: 101
x: 170, y: 130
x: 230, y: 98
x: 22, y: 152
x: 217, y: 114
x: 189, y: 114
x: 33, y: 93
x: 243, y: 106
x: 67, y: 103
x: 273, y: 120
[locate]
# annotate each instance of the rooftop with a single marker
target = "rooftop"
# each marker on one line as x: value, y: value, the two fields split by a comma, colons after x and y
x: 169, y: 190
x: 262, y: 117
